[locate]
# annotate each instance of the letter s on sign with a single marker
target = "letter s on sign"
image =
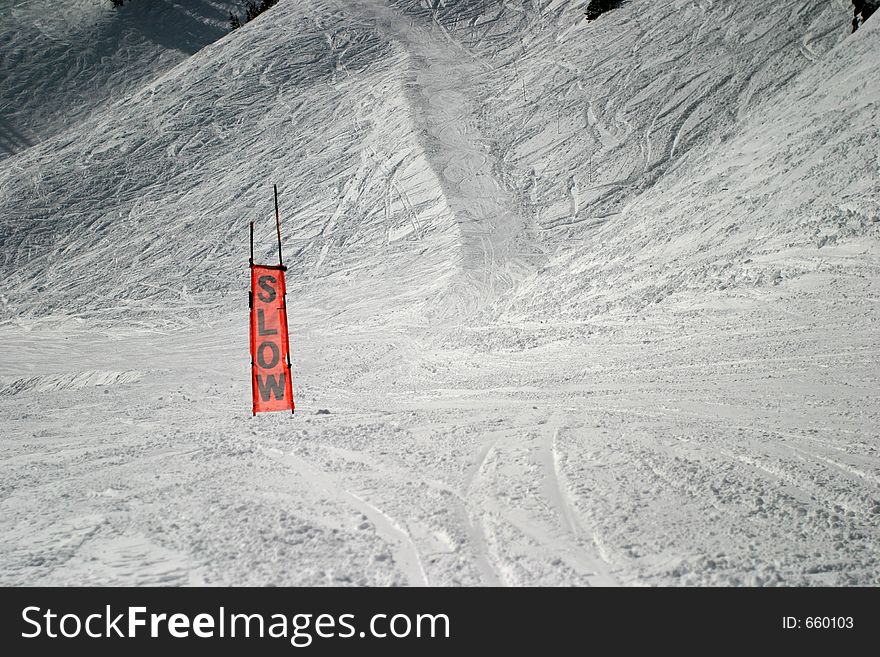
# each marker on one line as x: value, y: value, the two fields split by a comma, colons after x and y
x: 264, y: 282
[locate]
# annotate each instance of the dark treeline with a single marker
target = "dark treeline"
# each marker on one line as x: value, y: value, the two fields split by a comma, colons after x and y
x: 862, y: 10
x: 252, y: 9
x: 598, y: 7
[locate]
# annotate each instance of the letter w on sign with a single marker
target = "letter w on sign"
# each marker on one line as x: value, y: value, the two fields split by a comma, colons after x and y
x: 270, y: 347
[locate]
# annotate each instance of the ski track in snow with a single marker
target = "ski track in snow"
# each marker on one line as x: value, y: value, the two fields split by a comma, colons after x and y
x: 405, y: 552
x: 580, y: 303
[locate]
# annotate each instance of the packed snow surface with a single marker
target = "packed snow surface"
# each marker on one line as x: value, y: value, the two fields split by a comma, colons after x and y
x: 571, y: 302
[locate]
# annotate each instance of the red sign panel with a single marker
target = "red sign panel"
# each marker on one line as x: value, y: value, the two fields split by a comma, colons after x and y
x: 270, y: 347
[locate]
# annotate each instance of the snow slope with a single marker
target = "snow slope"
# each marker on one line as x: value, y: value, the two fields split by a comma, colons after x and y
x: 588, y: 302
x: 63, y: 61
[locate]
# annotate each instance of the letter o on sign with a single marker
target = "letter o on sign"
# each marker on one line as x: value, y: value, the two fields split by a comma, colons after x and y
x: 261, y: 351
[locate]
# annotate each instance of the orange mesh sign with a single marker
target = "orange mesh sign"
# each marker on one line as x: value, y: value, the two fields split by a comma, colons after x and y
x: 270, y: 346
